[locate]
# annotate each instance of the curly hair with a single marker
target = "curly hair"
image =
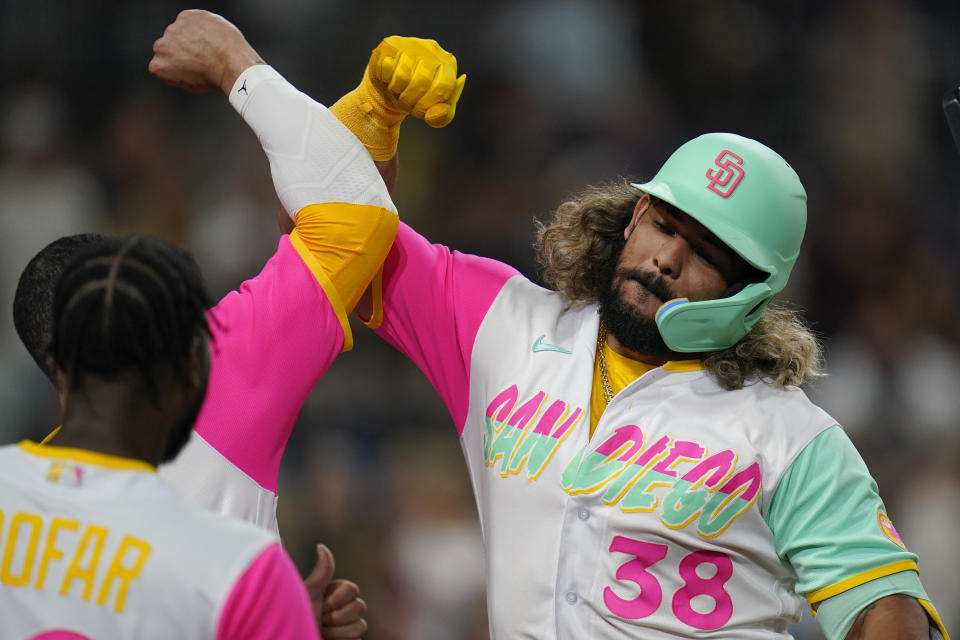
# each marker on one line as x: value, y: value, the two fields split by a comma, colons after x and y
x: 578, y: 249
x: 780, y: 349
x: 580, y: 245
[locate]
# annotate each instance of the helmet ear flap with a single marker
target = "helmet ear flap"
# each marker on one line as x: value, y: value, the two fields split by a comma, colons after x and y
x: 712, y: 325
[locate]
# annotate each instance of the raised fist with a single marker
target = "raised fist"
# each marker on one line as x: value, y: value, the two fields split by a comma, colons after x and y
x: 201, y: 51
x: 418, y: 77
x: 404, y: 76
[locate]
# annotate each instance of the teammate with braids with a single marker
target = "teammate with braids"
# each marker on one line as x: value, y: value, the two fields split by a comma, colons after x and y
x: 232, y: 460
x: 87, y: 543
x: 133, y: 311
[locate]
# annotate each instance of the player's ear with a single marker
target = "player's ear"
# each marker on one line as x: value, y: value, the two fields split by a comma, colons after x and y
x: 641, y: 207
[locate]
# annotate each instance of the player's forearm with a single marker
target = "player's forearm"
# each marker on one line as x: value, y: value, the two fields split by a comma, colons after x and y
x: 313, y: 157
x: 891, y: 618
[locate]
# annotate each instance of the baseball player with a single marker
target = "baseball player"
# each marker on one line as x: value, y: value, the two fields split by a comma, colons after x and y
x: 262, y: 372
x: 93, y: 543
x: 337, y: 604
x: 644, y: 462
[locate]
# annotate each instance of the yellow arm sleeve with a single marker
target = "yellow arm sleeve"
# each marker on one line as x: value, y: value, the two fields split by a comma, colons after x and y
x: 348, y: 242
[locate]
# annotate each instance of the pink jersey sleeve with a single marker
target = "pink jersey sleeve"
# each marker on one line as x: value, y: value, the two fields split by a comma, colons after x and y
x: 268, y: 602
x: 434, y: 300
x: 272, y: 341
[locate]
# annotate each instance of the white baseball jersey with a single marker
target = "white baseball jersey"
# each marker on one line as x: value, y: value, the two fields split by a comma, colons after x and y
x: 97, y: 547
x: 653, y: 528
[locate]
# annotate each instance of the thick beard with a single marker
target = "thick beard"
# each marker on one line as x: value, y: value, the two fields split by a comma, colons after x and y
x: 624, y: 322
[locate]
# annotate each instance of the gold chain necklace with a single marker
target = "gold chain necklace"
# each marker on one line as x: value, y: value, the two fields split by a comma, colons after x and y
x: 604, y: 380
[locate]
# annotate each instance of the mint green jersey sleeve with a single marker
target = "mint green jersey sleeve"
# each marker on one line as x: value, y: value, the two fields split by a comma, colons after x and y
x: 831, y: 527
x: 837, y: 614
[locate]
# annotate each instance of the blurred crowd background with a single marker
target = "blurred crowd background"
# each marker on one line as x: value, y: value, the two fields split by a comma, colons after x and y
x: 560, y: 94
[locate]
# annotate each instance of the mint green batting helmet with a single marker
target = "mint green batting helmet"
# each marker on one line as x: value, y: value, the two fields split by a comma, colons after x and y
x: 752, y: 200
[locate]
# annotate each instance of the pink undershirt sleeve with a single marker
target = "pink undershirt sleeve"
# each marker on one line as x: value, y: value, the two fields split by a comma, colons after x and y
x: 434, y: 301
x: 273, y: 339
x: 268, y: 602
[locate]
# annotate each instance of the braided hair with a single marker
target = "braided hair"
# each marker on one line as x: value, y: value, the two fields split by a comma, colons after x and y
x: 128, y: 304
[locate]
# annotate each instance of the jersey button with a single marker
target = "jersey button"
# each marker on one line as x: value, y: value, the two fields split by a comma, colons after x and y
x: 583, y: 514
x: 571, y: 598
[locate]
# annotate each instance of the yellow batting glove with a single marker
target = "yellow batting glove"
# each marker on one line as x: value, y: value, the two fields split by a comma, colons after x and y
x: 419, y: 77
x: 404, y: 76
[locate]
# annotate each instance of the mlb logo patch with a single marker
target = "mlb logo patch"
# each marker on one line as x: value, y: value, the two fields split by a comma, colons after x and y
x: 66, y: 473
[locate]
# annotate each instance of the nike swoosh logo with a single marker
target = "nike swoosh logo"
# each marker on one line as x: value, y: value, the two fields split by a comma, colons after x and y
x: 540, y: 345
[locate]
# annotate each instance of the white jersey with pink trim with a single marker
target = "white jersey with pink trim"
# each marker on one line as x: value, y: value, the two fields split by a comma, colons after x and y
x: 653, y: 528
x: 97, y: 547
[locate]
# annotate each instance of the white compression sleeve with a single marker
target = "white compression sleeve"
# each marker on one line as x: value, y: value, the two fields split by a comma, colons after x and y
x: 313, y: 157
